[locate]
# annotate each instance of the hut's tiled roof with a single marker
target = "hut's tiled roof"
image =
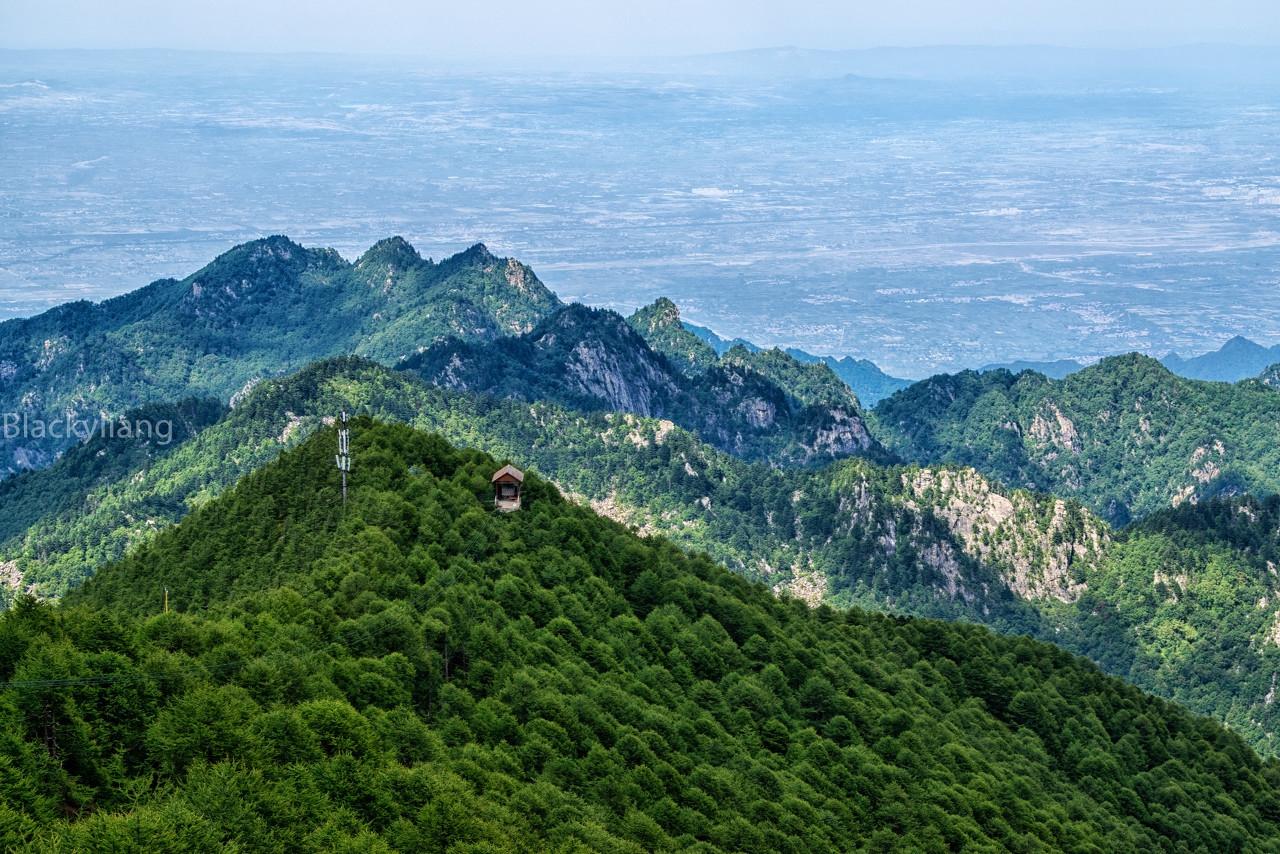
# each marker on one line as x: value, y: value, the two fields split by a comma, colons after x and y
x: 508, y: 471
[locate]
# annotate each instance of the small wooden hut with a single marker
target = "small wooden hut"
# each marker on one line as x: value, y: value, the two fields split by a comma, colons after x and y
x: 506, y: 488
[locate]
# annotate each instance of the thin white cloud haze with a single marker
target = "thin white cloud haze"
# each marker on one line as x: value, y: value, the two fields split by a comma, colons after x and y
x: 578, y: 28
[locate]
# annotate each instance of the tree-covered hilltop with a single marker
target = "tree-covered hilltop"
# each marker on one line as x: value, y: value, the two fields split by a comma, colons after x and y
x: 864, y: 376
x: 940, y: 542
x: 757, y: 406
x: 694, y: 348
x: 414, y: 672
x: 808, y: 379
x: 261, y: 309
x: 1124, y: 436
x: 659, y: 324
x: 936, y: 541
x: 853, y: 534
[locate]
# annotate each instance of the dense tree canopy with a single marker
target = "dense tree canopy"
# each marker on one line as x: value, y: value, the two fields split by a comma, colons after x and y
x: 417, y: 672
x: 1188, y: 619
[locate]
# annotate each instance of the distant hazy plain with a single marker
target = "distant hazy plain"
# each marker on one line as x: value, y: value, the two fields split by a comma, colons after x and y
x: 924, y: 225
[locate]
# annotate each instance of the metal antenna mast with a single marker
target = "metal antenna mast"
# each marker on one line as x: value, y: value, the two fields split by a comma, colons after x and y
x: 344, y: 453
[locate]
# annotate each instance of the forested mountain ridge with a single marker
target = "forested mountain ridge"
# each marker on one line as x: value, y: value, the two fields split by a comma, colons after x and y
x: 1188, y: 617
x: 761, y: 405
x: 1125, y: 436
x: 659, y: 324
x: 808, y: 380
x: 417, y: 672
x: 260, y: 309
x: 930, y: 541
x: 854, y: 533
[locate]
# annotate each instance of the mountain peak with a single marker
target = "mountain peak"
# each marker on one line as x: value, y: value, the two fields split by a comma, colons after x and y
x: 477, y: 254
x: 275, y: 245
x: 662, y: 313
x: 261, y: 266
x: 659, y: 324
x: 583, y: 320
x: 1239, y: 358
x: 391, y: 252
x: 1131, y: 360
x: 1240, y: 344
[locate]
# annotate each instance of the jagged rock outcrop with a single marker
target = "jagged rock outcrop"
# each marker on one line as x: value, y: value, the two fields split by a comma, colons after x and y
x: 1044, y: 548
x: 755, y: 405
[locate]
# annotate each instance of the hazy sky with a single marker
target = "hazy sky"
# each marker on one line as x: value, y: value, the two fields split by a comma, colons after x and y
x: 523, y: 28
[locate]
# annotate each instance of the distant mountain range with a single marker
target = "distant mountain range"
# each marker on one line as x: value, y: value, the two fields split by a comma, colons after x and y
x: 1236, y: 360
x: 868, y: 382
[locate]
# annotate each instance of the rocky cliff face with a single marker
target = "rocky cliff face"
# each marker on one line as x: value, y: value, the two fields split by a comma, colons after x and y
x: 1044, y: 548
x: 843, y: 434
x: 753, y: 405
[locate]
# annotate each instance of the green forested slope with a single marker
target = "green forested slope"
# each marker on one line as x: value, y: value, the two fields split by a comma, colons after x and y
x: 418, y: 673
x: 659, y: 324
x: 1124, y: 436
x: 1187, y: 604
x: 846, y: 532
x: 810, y: 380
x: 1176, y: 613
x: 101, y: 462
x: 654, y: 321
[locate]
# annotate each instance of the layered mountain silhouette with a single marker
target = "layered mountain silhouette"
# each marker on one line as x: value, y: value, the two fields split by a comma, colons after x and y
x: 261, y: 309
x: 1235, y: 360
x: 644, y: 421
x: 863, y: 376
